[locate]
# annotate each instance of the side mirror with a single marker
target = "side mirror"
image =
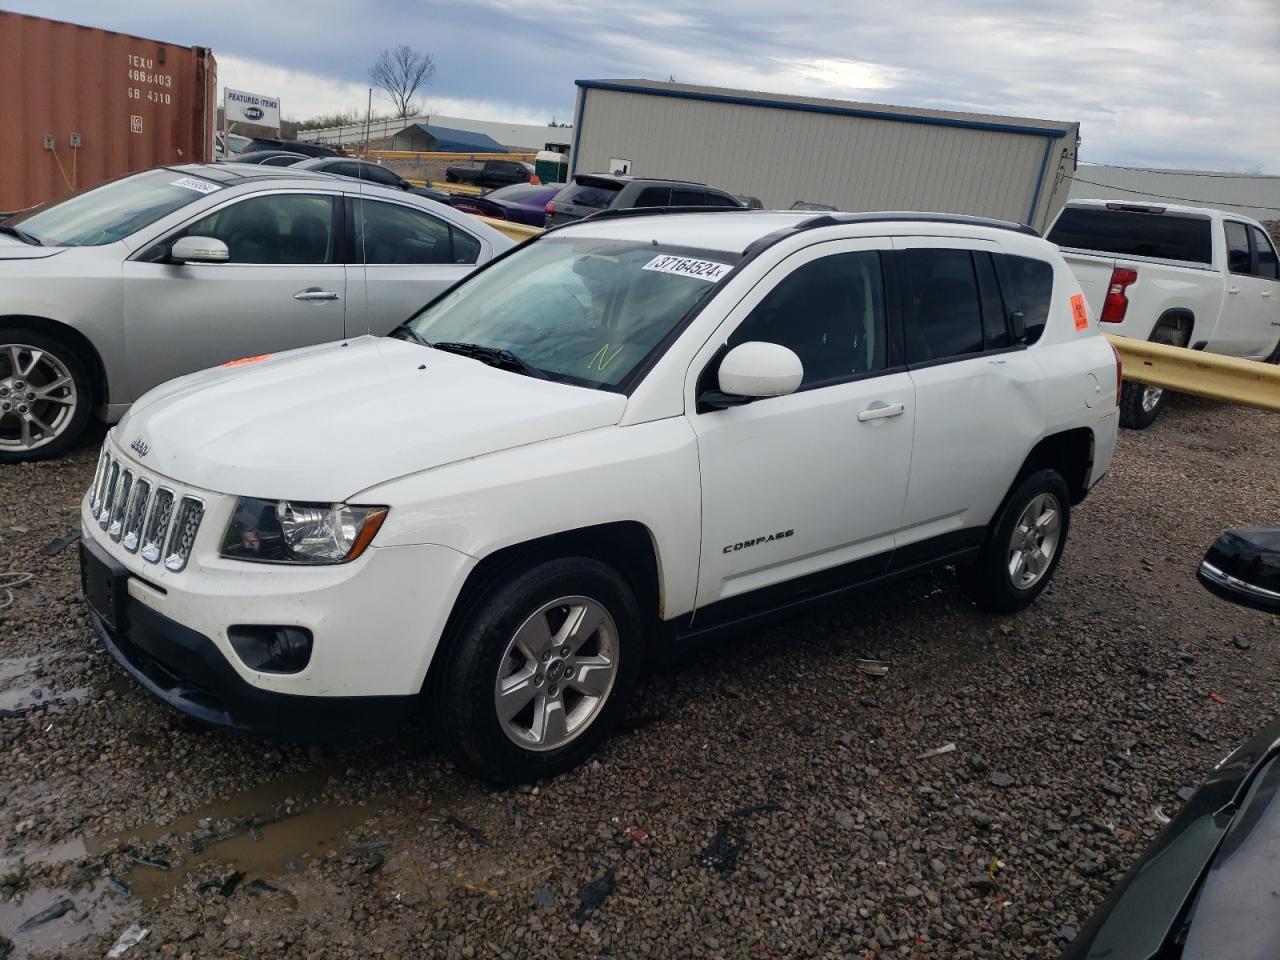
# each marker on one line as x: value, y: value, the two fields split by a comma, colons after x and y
x: 199, y: 250
x: 1243, y: 566
x: 1018, y: 327
x: 754, y: 371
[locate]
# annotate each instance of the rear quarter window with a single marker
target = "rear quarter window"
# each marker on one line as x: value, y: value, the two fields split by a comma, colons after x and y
x: 1160, y: 235
x: 589, y: 195
x: 1026, y: 286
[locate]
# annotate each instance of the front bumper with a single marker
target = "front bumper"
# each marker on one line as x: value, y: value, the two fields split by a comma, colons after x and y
x: 186, y: 670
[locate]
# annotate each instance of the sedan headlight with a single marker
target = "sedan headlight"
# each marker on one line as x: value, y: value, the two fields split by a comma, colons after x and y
x: 284, y: 531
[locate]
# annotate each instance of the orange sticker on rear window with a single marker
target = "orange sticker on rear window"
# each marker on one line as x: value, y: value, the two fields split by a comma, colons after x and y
x: 243, y: 360
x: 1079, y: 312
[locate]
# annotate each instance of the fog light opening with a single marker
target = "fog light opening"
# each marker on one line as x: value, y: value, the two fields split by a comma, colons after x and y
x: 272, y: 649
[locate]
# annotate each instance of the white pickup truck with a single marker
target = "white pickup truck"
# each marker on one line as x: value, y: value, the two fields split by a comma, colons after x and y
x: 1187, y: 276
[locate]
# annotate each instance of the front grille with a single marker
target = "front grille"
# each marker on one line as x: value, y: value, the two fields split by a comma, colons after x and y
x: 134, y: 514
x: 116, y: 521
x: 190, y: 512
x: 143, y: 516
x: 158, y: 526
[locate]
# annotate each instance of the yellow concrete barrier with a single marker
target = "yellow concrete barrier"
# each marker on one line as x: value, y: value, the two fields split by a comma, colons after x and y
x: 516, y: 231
x: 1248, y: 382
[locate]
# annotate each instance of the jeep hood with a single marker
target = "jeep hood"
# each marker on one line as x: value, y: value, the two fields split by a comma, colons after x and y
x: 325, y: 422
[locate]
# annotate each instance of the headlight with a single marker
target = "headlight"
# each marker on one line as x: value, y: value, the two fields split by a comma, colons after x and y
x: 283, y: 531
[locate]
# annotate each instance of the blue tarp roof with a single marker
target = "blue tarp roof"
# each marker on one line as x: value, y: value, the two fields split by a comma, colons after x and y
x: 461, y: 141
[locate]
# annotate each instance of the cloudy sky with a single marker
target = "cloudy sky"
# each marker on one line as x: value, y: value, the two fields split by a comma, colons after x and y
x: 1175, y: 83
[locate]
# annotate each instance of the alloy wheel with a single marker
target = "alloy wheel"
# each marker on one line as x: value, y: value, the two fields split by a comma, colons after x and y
x: 556, y: 673
x: 1151, y: 398
x: 1034, y: 541
x: 37, y: 397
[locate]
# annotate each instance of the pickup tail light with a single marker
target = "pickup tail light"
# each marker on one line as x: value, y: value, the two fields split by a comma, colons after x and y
x: 1117, y: 303
x: 1116, y: 353
x: 550, y: 208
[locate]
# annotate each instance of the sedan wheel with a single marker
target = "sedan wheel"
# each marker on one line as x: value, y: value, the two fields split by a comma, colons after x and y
x: 38, y: 398
x: 1151, y: 397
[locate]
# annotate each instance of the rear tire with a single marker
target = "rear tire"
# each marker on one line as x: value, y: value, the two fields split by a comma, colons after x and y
x: 46, y: 395
x: 1023, y: 546
x: 512, y: 704
x: 1140, y: 404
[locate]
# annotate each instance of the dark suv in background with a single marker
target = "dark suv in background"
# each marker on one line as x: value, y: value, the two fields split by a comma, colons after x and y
x: 590, y: 193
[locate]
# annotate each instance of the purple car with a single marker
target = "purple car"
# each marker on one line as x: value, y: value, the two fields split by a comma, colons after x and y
x: 520, y: 203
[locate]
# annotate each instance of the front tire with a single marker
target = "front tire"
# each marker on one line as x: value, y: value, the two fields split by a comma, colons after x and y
x: 46, y: 395
x: 1140, y: 404
x: 539, y: 670
x: 1023, y: 547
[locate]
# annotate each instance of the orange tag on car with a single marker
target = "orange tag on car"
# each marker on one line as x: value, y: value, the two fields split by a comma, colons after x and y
x: 1079, y: 312
x: 243, y: 360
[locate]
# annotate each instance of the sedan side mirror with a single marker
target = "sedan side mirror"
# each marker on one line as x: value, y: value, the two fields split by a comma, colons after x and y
x: 753, y: 371
x: 199, y: 250
x: 1243, y: 566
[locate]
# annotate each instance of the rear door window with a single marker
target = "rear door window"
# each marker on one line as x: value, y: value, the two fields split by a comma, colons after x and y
x: 943, y: 308
x: 1238, y: 260
x: 1124, y: 233
x: 1026, y: 286
x: 389, y: 233
x: 1268, y: 268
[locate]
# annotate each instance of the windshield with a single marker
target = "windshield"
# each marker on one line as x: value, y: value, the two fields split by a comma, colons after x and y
x: 112, y: 211
x: 581, y: 310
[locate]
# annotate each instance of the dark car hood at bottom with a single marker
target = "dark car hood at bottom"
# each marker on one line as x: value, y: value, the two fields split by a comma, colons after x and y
x: 1215, y: 865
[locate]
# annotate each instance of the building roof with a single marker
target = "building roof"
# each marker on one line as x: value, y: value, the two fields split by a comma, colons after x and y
x: 783, y: 101
x: 460, y: 141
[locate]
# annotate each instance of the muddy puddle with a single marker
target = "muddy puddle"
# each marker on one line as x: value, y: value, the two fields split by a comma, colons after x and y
x: 262, y: 833
x: 25, y: 686
x: 48, y: 921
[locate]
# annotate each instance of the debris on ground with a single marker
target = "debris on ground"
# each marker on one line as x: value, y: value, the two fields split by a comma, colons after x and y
x: 1159, y: 816
x: 132, y: 936
x: 1217, y: 698
x: 726, y: 846
x: 1001, y: 780
x: 872, y: 668
x: 48, y: 914
x: 475, y: 833
x: 937, y: 751
x: 593, y: 894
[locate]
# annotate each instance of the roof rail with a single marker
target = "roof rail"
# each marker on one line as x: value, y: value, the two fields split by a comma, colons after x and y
x: 915, y: 216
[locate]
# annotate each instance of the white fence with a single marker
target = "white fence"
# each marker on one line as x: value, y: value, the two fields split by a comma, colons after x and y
x: 355, y: 133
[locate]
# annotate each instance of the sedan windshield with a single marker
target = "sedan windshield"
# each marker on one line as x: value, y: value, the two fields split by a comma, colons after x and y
x: 581, y: 310
x: 112, y: 211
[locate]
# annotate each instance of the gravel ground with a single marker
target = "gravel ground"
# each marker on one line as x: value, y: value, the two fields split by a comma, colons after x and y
x: 769, y: 800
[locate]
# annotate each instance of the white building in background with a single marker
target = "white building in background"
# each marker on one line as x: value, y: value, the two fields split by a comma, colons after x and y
x: 521, y: 136
x: 852, y: 156
x: 1253, y: 195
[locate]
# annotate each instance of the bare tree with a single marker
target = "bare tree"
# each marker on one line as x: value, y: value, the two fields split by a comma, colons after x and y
x: 400, y: 73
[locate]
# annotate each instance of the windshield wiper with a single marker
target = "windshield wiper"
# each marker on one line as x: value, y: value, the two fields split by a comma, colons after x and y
x: 20, y: 234
x: 411, y: 333
x: 494, y: 356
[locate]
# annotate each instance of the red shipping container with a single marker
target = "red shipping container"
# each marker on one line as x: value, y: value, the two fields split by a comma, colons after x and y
x: 133, y: 103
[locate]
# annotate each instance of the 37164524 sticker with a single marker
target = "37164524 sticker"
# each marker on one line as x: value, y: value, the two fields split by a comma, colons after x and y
x: 1079, y: 312
x: 195, y: 183
x: 707, y: 270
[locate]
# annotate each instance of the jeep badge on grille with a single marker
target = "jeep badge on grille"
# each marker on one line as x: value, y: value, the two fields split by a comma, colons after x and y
x: 140, y: 447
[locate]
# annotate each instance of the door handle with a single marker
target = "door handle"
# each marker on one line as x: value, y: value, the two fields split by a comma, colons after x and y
x: 1266, y: 294
x: 881, y: 411
x: 313, y: 294
x: 1233, y: 290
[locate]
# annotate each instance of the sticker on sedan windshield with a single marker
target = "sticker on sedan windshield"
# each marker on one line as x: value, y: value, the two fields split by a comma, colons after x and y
x: 191, y: 183
x: 707, y: 270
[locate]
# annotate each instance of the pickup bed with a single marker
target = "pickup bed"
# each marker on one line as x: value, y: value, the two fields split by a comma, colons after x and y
x: 1187, y: 276
x: 490, y: 174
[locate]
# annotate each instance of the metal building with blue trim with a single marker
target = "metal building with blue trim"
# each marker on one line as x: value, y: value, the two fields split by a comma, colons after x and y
x: 853, y: 156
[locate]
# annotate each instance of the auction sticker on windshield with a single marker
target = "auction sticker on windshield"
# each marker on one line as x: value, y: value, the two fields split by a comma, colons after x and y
x: 707, y: 270
x: 192, y: 183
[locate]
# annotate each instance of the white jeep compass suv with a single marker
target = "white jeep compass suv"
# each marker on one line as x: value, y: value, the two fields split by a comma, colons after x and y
x: 640, y: 428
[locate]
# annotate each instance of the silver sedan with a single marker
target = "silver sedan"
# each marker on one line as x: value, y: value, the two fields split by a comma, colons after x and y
x: 107, y: 293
